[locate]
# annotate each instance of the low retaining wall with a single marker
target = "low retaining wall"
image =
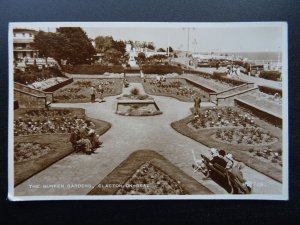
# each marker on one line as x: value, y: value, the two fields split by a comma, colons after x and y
x: 270, y: 90
x: 261, y: 113
x: 207, y: 90
x: 28, y: 100
x: 59, y: 85
x: 229, y: 99
x: 22, y: 87
x: 213, y: 96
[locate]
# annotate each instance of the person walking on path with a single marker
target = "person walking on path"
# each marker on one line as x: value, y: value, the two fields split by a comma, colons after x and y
x: 197, y: 103
x: 100, y: 89
x: 93, y: 94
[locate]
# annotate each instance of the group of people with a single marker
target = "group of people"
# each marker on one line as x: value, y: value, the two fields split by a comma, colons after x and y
x: 233, y: 71
x: 84, y: 138
x: 97, y: 90
x: 227, y: 162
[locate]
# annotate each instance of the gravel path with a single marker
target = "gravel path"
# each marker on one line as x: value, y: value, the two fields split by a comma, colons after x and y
x: 77, y: 174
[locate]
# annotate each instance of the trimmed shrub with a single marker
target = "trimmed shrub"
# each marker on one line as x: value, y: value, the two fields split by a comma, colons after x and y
x: 161, y: 69
x: 31, y: 76
x: 222, y: 77
x: 93, y: 69
x: 270, y: 75
x: 270, y: 90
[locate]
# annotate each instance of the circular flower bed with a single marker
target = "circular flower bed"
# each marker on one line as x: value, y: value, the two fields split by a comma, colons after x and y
x: 28, y: 151
x: 149, y: 180
x: 245, y: 136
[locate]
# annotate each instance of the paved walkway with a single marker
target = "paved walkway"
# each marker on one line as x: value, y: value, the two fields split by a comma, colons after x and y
x: 127, y: 135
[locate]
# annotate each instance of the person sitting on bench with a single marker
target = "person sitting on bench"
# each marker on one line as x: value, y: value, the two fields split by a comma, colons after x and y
x: 237, y: 172
x: 78, y: 141
x: 219, y: 159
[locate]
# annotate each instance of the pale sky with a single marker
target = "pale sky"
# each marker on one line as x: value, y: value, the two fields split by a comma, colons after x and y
x: 203, y: 37
x: 260, y: 39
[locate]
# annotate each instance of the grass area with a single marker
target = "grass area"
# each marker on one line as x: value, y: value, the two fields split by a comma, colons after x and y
x: 59, y: 145
x: 79, y: 90
x: 176, y: 88
x: 240, y: 152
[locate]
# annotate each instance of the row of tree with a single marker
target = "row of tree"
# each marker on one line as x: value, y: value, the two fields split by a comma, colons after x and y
x: 72, y: 44
x: 67, y: 43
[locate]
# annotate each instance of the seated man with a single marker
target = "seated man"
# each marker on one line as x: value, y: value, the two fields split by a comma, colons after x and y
x: 219, y: 159
x: 78, y: 140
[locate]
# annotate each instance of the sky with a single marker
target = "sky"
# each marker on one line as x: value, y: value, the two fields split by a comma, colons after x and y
x: 202, y: 37
x: 226, y: 39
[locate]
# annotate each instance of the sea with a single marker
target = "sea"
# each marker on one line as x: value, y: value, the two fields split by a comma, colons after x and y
x: 267, y: 56
x: 259, y: 56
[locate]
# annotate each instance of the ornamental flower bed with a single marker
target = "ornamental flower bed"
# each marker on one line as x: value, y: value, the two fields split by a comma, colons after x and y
x: 149, y: 180
x: 28, y: 151
x: 177, y: 88
x: 222, y: 117
x: 34, y: 122
x: 245, y: 136
x: 79, y: 91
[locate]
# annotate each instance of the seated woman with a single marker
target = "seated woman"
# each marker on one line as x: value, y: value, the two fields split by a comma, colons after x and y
x: 77, y: 139
x: 236, y: 171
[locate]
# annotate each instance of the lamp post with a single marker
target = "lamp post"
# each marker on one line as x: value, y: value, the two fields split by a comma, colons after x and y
x: 188, y: 42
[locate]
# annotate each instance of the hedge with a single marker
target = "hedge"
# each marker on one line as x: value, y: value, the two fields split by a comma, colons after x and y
x: 270, y: 90
x: 161, y: 69
x: 33, y: 75
x: 93, y: 69
x: 270, y: 75
x: 222, y: 77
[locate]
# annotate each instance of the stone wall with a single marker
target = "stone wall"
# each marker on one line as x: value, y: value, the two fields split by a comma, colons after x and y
x: 28, y: 100
x: 213, y: 96
x: 59, y: 85
x: 261, y: 113
x: 229, y: 99
x: 22, y: 87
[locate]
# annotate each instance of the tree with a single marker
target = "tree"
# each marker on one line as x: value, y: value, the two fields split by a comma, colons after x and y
x: 68, y: 43
x: 150, y: 45
x: 161, y: 50
x: 141, y: 57
x: 113, y: 51
x: 171, y: 49
x: 78, y: 49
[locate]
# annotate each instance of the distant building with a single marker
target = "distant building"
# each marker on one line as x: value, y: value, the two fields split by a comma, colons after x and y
x: 22, y: 43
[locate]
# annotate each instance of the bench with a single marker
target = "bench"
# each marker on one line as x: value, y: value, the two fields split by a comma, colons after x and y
x: 235, y: 185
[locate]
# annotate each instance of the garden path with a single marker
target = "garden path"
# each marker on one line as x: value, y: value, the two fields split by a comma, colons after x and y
x: 128, y: 134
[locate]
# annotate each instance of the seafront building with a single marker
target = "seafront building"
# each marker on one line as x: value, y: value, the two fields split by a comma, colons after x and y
x: 22, y: 44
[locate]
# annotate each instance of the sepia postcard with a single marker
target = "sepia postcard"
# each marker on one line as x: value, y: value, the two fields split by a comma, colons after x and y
x: 148, y: 111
